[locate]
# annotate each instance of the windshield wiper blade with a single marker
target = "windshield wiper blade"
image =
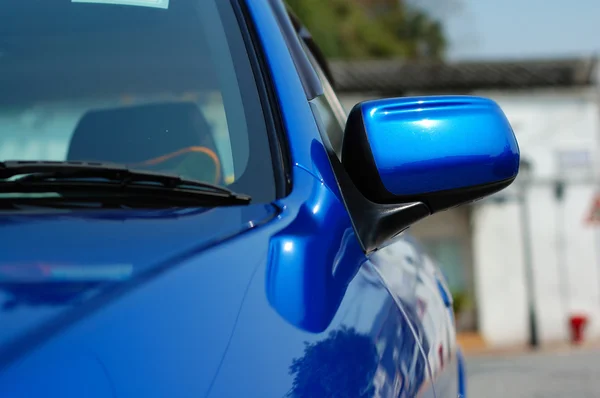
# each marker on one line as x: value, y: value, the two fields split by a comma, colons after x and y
x: 69, y: 176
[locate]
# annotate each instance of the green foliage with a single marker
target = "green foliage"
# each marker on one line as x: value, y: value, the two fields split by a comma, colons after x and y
x: 460, y: 302
x: 355, y: 29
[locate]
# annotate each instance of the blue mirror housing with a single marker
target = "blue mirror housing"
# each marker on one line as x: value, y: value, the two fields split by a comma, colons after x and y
x: 441, y: 151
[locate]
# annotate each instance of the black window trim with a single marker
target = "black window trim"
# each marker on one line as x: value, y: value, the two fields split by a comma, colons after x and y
x: 310, y: 44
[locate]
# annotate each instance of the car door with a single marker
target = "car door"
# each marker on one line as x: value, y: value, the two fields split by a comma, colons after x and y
x: 411, y: 277
x: 394, y: 266
x: 445, y: 359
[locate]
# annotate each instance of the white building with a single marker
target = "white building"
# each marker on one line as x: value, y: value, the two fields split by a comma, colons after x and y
x: 554, y: 109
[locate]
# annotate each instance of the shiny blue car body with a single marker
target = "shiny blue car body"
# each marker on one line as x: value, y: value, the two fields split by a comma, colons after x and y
x: 262, y: 300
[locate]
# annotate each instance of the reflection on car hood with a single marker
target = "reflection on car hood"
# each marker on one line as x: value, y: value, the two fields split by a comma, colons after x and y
x: 53, y: 261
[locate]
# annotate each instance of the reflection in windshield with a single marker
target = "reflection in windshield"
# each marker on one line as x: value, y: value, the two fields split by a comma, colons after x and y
x: 130, y: 71
x: 43, y: 131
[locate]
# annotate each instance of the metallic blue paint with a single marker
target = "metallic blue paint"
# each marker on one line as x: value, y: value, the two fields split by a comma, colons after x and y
x: 462, y: 376
x: 308, y: 273
x: 227, y: 302
x: 220, y: 321
x: 295, y: 109
x: 437, y: 143
x: 146, y: 245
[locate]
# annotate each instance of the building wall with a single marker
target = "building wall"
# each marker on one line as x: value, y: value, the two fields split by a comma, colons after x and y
x: 564, y: 248
x: 499, y: 276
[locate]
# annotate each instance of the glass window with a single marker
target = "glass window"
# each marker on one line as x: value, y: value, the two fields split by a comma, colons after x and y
x: 164, y: 85
x: 330, y: 110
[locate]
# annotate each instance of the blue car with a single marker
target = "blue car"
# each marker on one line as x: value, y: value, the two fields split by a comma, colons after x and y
x: 186, y: 210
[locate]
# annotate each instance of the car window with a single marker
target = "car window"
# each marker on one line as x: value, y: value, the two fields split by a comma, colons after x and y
x: 332, y: 99
x: 330, y: 109
x: 161, y: 85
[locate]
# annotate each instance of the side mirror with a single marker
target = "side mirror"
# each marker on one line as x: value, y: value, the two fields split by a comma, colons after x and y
x: 432, y: 152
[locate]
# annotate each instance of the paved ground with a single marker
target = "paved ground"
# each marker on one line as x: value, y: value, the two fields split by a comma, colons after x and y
x: 567, y: 373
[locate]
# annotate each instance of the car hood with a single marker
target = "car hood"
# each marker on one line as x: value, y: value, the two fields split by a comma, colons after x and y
x: 51, y: 263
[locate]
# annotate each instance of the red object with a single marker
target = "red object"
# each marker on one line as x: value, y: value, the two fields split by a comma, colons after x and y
x: 593, y: 216
x: 578, y: 323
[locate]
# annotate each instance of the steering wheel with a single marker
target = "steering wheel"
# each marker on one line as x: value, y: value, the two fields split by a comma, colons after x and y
x: 194, y: 162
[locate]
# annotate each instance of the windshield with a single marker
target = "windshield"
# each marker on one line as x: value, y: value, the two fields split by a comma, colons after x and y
x: 164, y: 85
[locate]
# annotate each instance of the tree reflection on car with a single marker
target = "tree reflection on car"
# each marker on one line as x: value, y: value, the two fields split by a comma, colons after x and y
x: 342, y: 365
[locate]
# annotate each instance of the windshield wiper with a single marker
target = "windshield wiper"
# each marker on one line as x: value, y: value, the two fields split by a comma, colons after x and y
x: 94, y: 179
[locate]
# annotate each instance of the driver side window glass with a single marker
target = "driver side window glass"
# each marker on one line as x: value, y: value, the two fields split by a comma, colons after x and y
x: 330, y: 110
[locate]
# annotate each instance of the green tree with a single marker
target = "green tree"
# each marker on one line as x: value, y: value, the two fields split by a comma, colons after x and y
x: 355, y: 29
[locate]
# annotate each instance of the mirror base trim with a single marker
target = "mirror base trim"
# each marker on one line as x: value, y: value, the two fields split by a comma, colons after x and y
x: 375, y: 224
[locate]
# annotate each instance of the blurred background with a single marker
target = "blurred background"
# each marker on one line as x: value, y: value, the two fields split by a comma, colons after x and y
x: 523, y: 265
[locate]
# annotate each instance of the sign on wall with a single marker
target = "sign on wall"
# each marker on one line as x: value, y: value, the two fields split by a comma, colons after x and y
x: 573, y: 160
